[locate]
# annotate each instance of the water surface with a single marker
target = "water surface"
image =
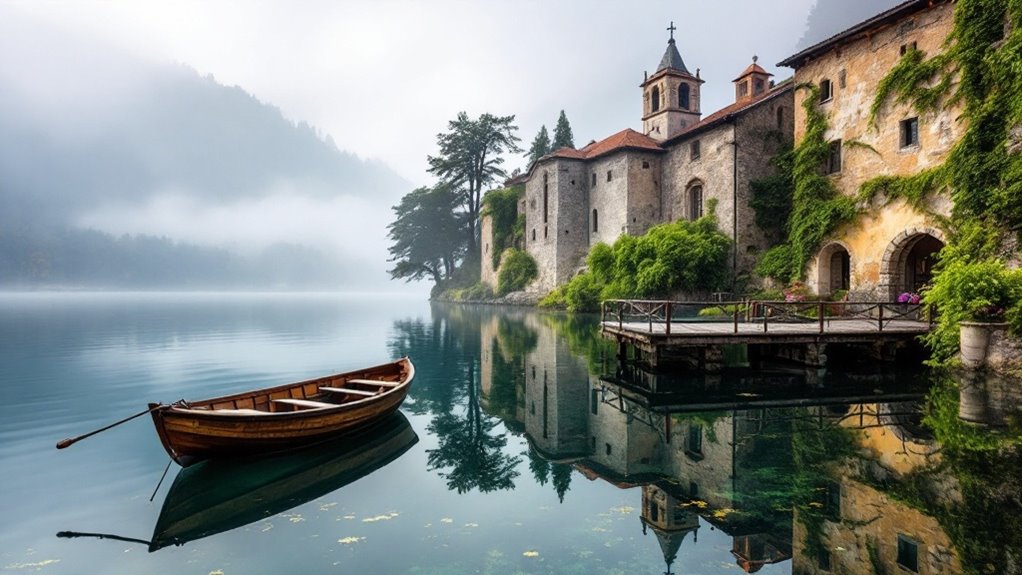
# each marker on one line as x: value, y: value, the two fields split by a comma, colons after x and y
x: 523, y: 448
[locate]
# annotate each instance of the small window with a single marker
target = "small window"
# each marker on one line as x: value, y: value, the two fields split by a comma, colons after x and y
x: 695, y: 202
x: 596, y: 221
x: 533, y: 234
x: 608, y: 175
x: 594, y: 401
x: 546, y: 232
x: 608, y: 448
x: 743, y: 89
x: 594, y: 179
x: 694, y: 445
x: 693, y: 150
x: 683, y: 96
x: 834, y: 158
x: 909, y: 130
x: 654, y: 99
x: 780, y: 117
x: 823, y: 560
x: 826, y: 91
x: 908, y: 553
x: 645, y: 165
x: 758, y: 86
x: 906, y: 48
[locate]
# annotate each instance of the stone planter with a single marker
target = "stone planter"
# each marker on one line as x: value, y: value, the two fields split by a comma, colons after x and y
x: 975, y: 341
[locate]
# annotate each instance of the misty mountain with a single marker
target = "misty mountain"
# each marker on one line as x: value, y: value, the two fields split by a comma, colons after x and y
x: 829, y: 17
x: 120, y: 167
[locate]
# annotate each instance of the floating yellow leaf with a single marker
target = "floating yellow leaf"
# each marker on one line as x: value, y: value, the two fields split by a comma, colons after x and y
x: 350, y: 540
x: 531, y: 554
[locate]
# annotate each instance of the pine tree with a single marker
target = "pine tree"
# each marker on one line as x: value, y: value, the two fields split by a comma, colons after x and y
x: 540, y: 146
x: 562, y: 134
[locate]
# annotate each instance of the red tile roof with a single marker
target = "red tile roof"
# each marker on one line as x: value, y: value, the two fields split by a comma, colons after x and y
x: 627, y: 139
x: 753, y: 68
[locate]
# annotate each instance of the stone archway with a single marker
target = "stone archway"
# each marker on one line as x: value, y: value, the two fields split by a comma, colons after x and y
x: 908, y: 261
x: 833, y: 266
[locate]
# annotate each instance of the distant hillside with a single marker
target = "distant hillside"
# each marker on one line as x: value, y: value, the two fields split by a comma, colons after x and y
x: 93, y: 135
x: 828, y: 17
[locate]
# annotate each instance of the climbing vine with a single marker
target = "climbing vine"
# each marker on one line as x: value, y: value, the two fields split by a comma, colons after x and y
x: 507, y: 224
x: 983, y: 170
x: 817, y: 206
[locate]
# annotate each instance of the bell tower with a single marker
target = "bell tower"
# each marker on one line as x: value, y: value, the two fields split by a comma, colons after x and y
x: 670, y: 97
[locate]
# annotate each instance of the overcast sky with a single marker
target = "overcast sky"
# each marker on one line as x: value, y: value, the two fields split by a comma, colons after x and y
x: 383, y: 77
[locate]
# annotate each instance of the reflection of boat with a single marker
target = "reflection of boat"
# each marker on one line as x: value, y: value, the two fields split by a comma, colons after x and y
x: 219, y: 495
x: 282, y: 417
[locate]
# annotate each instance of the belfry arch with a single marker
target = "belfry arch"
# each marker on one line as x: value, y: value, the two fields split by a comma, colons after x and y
x: 834, y: 265
x: 908, y: 262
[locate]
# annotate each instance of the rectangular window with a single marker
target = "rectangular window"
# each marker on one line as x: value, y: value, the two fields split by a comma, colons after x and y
x: 695, y: 440
x: 826, y: 91
x: 594, y: 179
x: 608, y: 175
x: 833, y: 158
x: 908, y: 553
x: 693, y: 150
x: 906, y: 48
x: 909, y: 130
x: 594, y: 400
x: 645, y: 165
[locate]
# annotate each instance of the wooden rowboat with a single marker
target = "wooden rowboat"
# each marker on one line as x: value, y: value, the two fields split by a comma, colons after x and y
x: 283, y: 417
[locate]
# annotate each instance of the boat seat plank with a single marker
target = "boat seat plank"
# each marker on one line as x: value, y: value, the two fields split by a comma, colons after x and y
x: 349, y: 391
x: 240, y: 411
x: 374, y: 382
x: 304, y: 403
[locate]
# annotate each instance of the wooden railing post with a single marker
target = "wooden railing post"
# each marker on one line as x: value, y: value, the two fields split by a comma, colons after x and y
x: 880, y: 316
x: 819, y: 312
x: 736, y: 318
x: 667, y: 317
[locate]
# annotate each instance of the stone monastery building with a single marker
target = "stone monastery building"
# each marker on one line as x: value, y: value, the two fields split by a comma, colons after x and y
x: 631, y: 181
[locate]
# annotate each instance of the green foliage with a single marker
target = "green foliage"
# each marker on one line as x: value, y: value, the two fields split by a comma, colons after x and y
x: 970, y: 289
x: 476, y: 292
x: 685, y: 256
x: 817, y: 209
x: 470, y: 159
x: 563, y: 137
x: 911, y: 80
x: 427, y: 235
x: 501, y: 206
x: 540, y: 146
x: 913, y: 189
x: 517, y: 269
x: 772, y: 196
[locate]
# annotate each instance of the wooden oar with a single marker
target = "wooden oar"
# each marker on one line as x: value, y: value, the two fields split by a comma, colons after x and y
x: 72, y: 534
x: 72, y: 440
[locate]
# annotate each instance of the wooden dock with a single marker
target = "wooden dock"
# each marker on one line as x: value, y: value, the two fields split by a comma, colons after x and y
x: 656, y: 328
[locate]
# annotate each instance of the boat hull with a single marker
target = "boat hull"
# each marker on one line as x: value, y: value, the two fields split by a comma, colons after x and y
x: 218, y: 427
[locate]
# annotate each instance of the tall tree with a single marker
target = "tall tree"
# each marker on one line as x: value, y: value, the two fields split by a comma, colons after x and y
x: 470, y: 160
x: 427, y: 234
x: 540, y: 146
x: 562, y: 133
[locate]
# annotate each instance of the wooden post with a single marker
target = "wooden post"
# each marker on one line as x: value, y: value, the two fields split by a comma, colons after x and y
x: 668, y: 314
x: 819, y: 311
x: 880, y: 316
x: 736, y: 318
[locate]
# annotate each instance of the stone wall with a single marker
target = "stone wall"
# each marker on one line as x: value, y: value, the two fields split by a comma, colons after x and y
x: 609, y: 197
x: 854, y: 70
x: 558, y: 241
x: 488, y: 273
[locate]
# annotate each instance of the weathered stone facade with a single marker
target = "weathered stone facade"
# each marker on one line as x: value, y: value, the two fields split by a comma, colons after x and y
x: 889, y: 250
x: 629, y: 182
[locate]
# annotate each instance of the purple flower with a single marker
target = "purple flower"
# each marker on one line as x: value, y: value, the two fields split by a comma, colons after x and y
x: 908, y: 297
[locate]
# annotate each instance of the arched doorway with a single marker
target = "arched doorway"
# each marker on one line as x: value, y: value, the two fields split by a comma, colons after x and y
x: 834, y: 266
x: 909, y: 261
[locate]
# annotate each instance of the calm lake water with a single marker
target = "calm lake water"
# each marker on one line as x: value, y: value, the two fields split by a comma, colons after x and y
x: 522, y: 448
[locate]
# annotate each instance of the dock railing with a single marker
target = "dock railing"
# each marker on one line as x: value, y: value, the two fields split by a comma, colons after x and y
x: 760, y: 313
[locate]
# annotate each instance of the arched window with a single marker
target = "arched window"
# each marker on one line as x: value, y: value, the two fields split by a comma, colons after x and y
x: 695, y: 201
x: 596, y: 221
x: 654, y: 99
x: 780, y: 117
x: 683, y: 99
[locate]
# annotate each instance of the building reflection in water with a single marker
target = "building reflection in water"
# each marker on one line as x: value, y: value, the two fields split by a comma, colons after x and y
x: 790, y: 465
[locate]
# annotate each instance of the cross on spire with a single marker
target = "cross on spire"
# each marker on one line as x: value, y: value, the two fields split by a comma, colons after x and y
x: 671, y: 29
